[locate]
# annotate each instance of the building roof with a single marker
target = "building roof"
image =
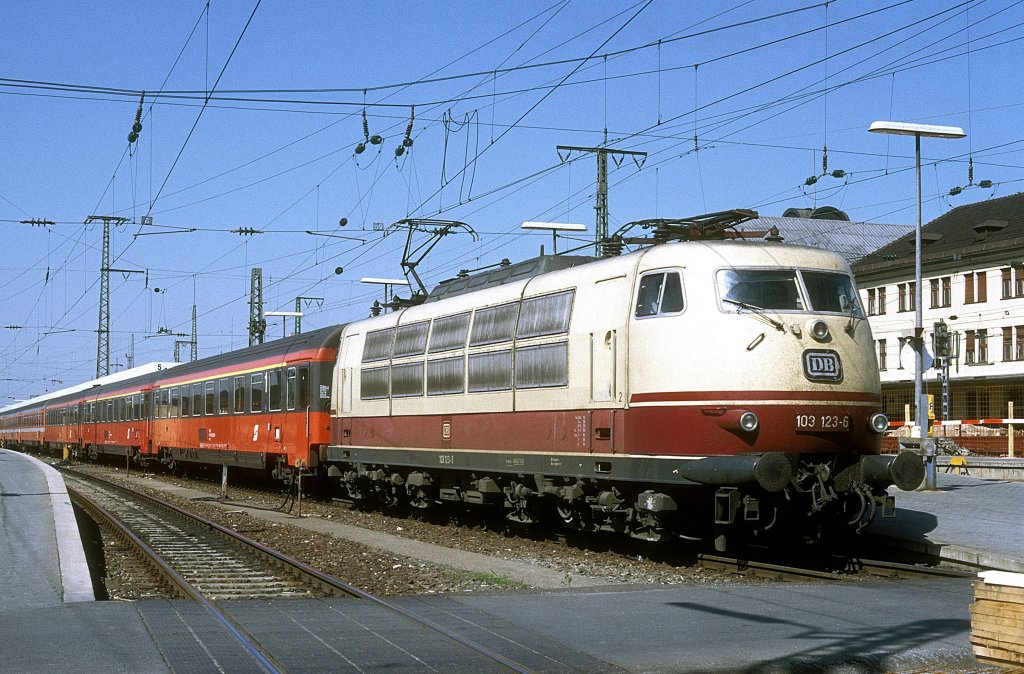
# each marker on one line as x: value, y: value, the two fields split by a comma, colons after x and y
x: 985, y: 233
x: 852, y: 240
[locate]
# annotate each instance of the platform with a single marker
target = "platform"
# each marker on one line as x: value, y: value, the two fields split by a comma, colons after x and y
x: 42, y: 560
x: 966, y: 520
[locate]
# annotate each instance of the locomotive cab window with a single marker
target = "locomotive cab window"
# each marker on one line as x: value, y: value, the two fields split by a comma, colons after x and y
x: 775, y: 289
x: 831, y: 292
x: 659, y: 294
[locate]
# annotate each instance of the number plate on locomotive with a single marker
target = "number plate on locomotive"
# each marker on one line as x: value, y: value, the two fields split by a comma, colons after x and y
x: 823, y: 423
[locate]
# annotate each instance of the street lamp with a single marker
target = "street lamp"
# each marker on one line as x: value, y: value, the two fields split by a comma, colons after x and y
x: 931, y: 131
x: 555, y: 228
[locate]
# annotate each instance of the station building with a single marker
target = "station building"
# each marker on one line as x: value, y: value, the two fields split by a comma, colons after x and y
x: 972, y: 290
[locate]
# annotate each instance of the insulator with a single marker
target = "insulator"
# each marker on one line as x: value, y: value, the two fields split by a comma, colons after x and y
x: 985, y: 184
x: 612, y: 247
x: 662, y: 236
x: 811, y: 180
x: 400, y: 150
x: 824, y: 160
x: 360, y: 148
x: 839, y: 173
x: 137, y: 127
x: 366, y: 125
x: 132, y: 137
x: 339, y: 270
x: 407, y: 141
x: 376, y: 140
x: 970, y: 170
x: 955, y: 191
x: 342, y: 222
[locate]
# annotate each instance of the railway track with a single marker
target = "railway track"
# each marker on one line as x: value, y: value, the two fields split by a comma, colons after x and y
x: 207, y: 563
x: 836, y: 568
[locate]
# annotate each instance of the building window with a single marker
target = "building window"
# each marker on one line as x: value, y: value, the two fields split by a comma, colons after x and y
x: 1018, y: 281
x: 940, y: 292
x: 881, y: 301
x: 907, y: 296
x: 1007, y: 343
x: 871, y: 301
x: 1018, y: 352
x: 977, y: 346
x: 975, y: 288
x: 1007, y: 283
x: 881, y: 354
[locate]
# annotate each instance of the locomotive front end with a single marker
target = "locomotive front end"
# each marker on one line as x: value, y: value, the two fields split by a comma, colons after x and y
x: 780, y: 407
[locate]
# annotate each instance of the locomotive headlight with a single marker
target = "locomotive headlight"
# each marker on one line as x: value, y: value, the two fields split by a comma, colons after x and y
x: 818, y: 329
x: 748, y: 422
x: 879, y: 422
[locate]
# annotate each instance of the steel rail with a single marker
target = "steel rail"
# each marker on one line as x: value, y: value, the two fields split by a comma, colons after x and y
x: 322, y: 579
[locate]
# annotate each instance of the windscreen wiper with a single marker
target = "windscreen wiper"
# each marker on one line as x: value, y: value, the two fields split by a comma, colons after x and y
x: 760, y: 311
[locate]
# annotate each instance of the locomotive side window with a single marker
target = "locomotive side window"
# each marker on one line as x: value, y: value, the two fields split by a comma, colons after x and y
x: 660, y: 293
x: 223, y: 396
x: 374, y: 383
x: 411, y: 340
x: 239, y: 395
x: 274, y: 390
x: 256, y: 385
x: 210, y: 398
x: 494, y: 324
x: 446, y: 376
x: 490, y: 371
x: 197, y: 399
x: 407, y: 380
x: 449, y: 333
x: 378, y: 345
x: 831, y: 291
x: 547, y: 315
x: 541, y: 366
x: 775, y: 289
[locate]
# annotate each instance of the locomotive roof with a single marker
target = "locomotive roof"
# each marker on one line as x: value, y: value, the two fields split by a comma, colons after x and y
x: 508, y: 273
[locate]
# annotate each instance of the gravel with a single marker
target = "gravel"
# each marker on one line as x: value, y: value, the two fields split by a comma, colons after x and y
x: 253, y: 512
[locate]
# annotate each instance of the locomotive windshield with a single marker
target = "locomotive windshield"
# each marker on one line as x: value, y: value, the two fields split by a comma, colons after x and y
x: 788, y: 290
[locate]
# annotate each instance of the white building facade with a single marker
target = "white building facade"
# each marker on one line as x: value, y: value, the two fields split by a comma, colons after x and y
x: 973, y: 282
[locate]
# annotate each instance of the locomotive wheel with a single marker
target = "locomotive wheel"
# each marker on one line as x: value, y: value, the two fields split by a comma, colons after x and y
x: 418, y: 498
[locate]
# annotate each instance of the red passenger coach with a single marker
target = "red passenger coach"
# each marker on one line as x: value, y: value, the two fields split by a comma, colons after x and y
x: 262, y: 408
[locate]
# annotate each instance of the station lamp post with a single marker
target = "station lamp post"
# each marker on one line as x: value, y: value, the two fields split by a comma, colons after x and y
x: 917, y: 131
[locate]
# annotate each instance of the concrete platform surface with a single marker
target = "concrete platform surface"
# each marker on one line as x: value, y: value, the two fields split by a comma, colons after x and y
x: 42, y: 561
x: 968, y: 520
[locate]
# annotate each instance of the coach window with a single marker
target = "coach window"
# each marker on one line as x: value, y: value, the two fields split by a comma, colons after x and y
x: 165, y: 399
x: 197, y: 399
x: 210, y: 398
x: 239, y: 395
x: 174, y: 403
x: 256, y: 391
x: 223, y: 396
x: 274, y: 390
x: 110, y: 410
x: 290, y: 392
x: 186, y: 402
x: 303, y: 388
x: 147, y: 405
x: 659, y: 294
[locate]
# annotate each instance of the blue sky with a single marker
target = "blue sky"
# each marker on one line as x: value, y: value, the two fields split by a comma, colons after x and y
x: 496, y: 87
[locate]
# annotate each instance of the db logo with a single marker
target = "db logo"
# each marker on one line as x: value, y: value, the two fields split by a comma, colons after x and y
x: 823, y: 365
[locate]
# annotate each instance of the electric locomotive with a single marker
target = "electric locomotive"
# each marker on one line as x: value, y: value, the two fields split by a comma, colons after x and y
x: 697, y: 389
